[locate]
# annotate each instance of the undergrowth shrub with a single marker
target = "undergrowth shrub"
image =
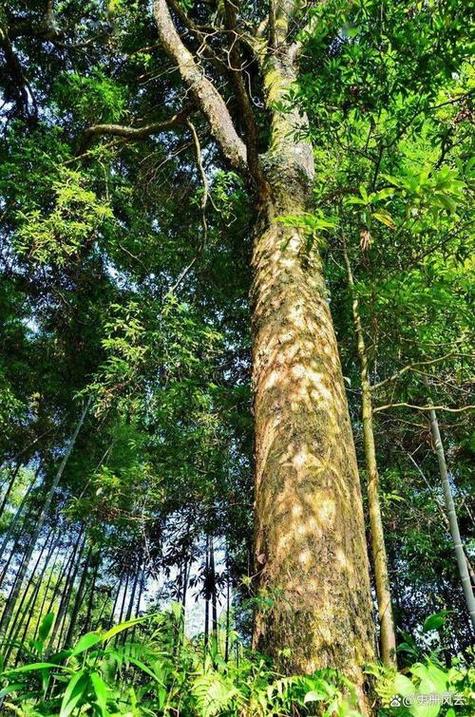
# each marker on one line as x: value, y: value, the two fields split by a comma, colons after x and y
x: 147, y: 667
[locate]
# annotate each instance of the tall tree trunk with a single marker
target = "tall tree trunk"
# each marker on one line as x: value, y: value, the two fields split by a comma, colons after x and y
x: 68, y: 595
x: 310, y: 547
x: 228, y: 610
x: 116, y: 601
x: 310, y: 544
x: 11, y: 630
x: 29, y: 609
x: 214, y: 592
x: 387, y: 635
x: 207, y: 596
x: 130, y: 606
x: 184, y: 584
x: 452, y: 515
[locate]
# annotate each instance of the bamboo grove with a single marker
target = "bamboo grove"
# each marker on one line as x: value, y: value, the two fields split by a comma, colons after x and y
x: 236, y: 362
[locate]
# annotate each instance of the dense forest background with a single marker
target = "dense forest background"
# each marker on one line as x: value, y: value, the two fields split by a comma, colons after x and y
x: 129, y: 426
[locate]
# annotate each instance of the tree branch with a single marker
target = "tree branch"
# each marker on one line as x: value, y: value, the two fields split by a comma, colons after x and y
x: 235, y: 63
x: 207, y: 96
x: 118, y: 130
x: 411, y: 367
x: 424, y: 408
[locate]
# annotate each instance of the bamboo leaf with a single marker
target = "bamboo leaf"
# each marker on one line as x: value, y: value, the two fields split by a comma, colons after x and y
x: 46, y: 625
x: 73, y: 693
x: 120, y: 628
x: 100, y: 689
x: 32, y: 667
x: 85, y: 642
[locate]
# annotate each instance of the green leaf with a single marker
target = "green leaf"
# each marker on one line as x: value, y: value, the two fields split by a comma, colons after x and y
x: 35, y: 666
x: 73, y: 693
x: 11, y: 688
x: 143, y: 667
x: 435, y: 621
x: 100, y: 689
x: 404, y: 686
x: 364, y: 193
x: 382, y: 194
x: 313, y: 696
x: 46, y: 625
x: 85, y: 642
x: 120, y: 628
x: 385, y: 218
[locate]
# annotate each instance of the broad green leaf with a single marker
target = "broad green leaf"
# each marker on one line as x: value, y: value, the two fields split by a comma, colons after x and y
x: 73, y: 693
x: 404, y: 686
x: 85, y: 642
x: 313, y: 696
x: 435, y: 621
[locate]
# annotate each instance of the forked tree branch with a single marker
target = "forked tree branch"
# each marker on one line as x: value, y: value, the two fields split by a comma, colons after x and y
x: 244, y: 102
x: 205, y: 93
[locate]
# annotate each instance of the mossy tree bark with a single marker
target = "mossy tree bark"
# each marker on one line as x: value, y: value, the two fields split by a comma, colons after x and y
x: 310, y: 541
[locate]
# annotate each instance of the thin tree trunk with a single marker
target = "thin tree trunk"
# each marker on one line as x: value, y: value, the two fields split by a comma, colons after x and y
x: 124, y: 598
x: 228, y: 611
x: 452, y: 515
x: 18, y: 616
x: 130, y: 606
x: 184, y: 585
x: 214, y: 593
x: 66, y: 595
x: 139, y: 599
x: 61, y: 643
x: 28, y: 612
x: 10, y: 530
x: 118, y: 638
x: 45, y: 596
x: 63, y: 573
x: 116, y: 601
x: 92, y: 588
x: 140, y: 593
x: 78, y: 600
x: 40, y: 522
x: 387, y: 634
x: 443, y: 515
x: 9, y: 488
x: 207, y: 596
